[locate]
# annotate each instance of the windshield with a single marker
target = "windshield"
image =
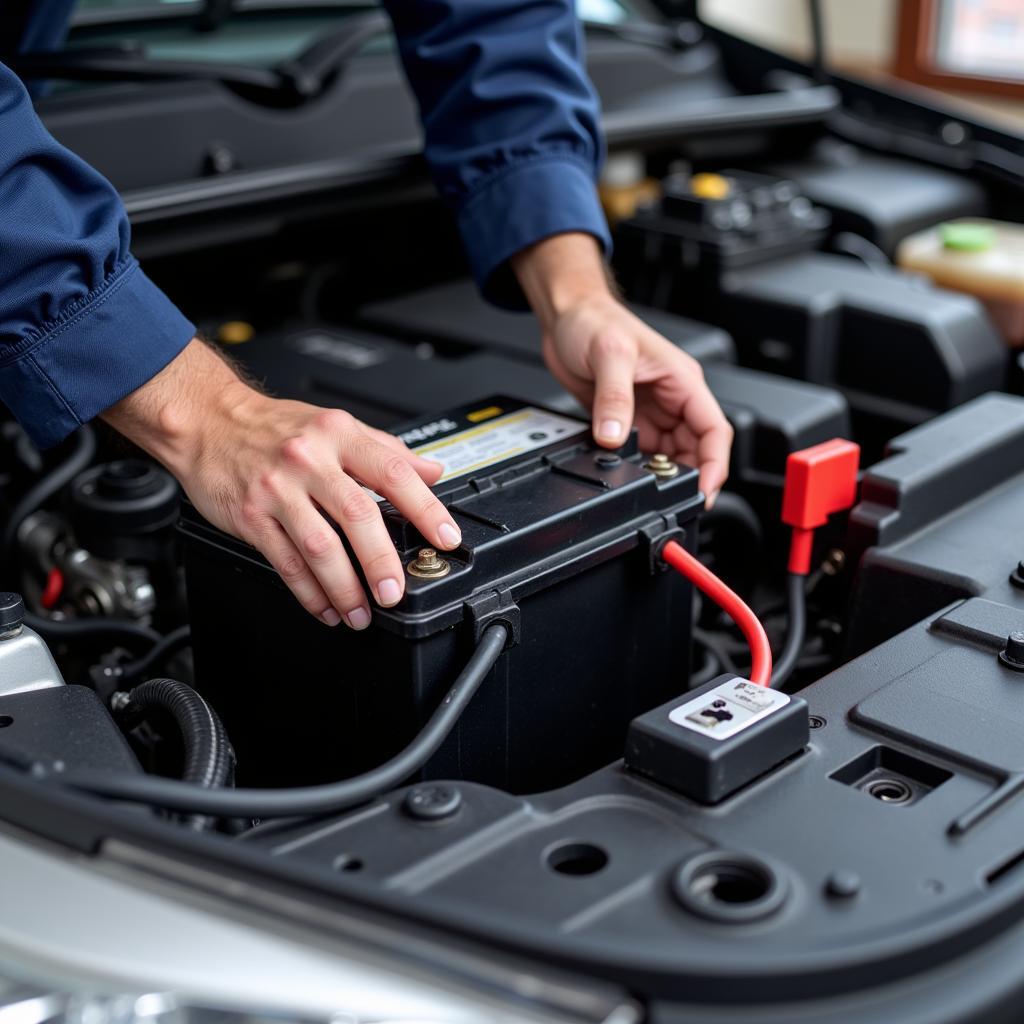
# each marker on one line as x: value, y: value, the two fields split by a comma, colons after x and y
x: 259, y: 32
x: 592, y: 10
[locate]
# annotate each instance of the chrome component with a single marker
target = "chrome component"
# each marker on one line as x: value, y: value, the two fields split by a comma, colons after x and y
x: 662, y: 467
x: 96, y: 586
x: 92, y: 585
x: 26, y: 664
x: 429, y: 565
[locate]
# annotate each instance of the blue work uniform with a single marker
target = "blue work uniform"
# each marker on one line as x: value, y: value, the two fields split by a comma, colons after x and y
x: 512, y: 138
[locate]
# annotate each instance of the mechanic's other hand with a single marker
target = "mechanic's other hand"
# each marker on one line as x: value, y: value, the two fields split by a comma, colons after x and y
x: 626, y: 372
x: 620, y: 368
x: 264, y: 468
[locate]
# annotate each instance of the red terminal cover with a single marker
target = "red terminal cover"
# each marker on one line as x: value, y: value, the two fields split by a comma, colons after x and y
x: 819, y: 482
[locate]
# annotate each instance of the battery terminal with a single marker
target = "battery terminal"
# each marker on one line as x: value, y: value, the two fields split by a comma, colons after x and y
x: 662, y: 467
x: 429, y: 565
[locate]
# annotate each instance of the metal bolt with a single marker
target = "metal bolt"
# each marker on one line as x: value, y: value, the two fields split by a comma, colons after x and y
x: 1017, y: 576
x: 220, y: 159
x: 1012, y: 656
x: 433, y: 801
x: 835, y: 562
x: 662, y: 467
x: 953, y: 133
x: 12, y: 614
x: 429, y: 565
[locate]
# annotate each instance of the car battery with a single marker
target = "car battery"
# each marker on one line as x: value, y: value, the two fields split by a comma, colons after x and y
x: 560, y: 543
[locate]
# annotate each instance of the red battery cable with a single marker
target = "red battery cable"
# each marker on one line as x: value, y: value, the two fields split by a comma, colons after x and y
x: 729, y: 601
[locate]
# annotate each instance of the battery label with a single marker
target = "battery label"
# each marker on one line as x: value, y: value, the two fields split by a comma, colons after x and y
x: 496, y: 440
x: 727, y: 709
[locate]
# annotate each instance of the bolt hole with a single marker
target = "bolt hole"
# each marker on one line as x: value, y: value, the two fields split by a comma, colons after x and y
x: 817, y: 722
x: 729, y: 883
x: 890, y: 791
x: 346, y: 862
x: 576, y: 859
x: 6, y: 720
x: 728, y: 887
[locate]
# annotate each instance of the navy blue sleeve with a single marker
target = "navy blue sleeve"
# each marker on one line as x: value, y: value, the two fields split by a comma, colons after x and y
x: 511, y: 123
x: 81, y: 326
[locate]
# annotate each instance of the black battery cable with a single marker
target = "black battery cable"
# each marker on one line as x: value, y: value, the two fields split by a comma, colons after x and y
x: 168, y: 645
x: 306, y: 801
x: 93, y: 627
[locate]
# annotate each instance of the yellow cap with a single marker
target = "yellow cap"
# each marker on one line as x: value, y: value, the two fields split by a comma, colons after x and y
x: 710, y: 186
x: 235, y: 332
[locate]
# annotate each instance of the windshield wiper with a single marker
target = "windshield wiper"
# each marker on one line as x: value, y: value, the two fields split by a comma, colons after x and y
x: 288, y: 83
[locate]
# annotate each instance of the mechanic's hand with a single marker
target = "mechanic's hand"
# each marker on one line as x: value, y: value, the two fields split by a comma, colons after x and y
x: 618, y: 366
x: 263, y: 468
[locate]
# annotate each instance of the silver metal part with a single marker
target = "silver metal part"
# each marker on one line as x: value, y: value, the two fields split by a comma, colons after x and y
x: 26, y: 664
x: 92, y: 586
x: 96, y: 586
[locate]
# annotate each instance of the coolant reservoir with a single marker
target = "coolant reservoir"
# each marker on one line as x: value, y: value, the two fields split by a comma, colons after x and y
x: 982, y: 257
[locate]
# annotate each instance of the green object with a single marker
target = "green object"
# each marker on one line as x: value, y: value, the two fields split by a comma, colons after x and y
x: 967, y: 237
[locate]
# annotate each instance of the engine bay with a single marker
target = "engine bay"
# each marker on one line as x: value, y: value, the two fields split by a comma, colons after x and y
x: 559, y: 745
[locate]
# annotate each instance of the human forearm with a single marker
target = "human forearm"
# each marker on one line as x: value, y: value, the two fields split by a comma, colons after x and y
x: 175, y: 415
x: 558, y: 273
x: 511, y: 123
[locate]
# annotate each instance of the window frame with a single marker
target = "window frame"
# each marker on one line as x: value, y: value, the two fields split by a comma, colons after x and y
x: 915, y: 56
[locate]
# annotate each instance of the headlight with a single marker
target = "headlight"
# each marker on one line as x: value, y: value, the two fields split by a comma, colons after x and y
x: 94, y: 942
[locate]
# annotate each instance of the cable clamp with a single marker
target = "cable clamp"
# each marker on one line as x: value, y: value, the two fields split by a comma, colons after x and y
x: 483, y: 610
x: 655, y: 536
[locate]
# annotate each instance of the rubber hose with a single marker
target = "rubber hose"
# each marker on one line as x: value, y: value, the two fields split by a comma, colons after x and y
x: 209, y: 759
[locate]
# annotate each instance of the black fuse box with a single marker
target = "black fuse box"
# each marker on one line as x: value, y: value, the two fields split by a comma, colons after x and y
x: 710, y: 743
x: 559, y: 542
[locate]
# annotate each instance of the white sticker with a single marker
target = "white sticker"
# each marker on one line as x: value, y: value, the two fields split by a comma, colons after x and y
x: 728, y: 708
x: 499, y: 439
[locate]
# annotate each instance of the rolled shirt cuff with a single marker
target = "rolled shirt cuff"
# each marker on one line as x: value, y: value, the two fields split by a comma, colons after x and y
x: 103, y: 348
x: 521, y: 205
